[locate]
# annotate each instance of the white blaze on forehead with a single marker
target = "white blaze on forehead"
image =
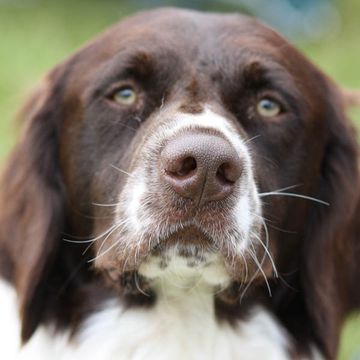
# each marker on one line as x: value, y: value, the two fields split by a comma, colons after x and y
x: 208, y: 119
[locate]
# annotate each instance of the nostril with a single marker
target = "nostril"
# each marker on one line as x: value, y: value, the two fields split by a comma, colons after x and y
x: 184, y: 167
x: 228, y: 173
x: 188, y: 165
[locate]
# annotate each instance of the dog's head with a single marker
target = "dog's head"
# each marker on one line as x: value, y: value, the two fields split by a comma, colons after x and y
x: 200, y: 145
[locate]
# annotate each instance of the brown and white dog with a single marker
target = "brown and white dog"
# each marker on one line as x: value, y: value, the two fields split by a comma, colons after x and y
x: 186, y: 187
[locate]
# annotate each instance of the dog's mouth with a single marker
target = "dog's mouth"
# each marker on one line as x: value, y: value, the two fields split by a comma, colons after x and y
x: 217, y: 245
x: 186, y: 254
x: 188, y: 237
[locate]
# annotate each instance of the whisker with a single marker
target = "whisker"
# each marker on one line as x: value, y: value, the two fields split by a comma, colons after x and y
x: 247, y: 287
x: 251, y: 139
x: 87, y: 248
x: 99, y: 254
x: 261, y: 270
x: 138, y: 286
x: 103, y: 253
x: 129, y: 127
x: 138, y: 119
x: 89, y: 240
x: 269, y: 255
x: 105, y: 205
x: 294, y: 195
x: 287, y: 284
x: 286, y: 188
x: 111, y: 230
x: 262, y: 217
x: 254, y: 275
x: 280, y: 229
x: 246, y: 267
x: 121, y: 170
x: 266, y: 247
x: 270, y: 223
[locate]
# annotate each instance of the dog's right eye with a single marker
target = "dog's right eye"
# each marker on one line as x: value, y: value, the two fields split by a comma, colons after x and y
x: 125, y: 96
x: 268, y: 107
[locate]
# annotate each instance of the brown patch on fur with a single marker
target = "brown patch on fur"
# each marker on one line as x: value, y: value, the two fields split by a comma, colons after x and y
x: 193, y: 103
x: 191, y: 108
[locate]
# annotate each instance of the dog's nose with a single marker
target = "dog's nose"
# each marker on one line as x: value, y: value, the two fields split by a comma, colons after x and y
x: 200, y: 166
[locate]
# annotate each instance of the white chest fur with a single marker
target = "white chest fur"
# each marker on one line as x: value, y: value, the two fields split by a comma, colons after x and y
x: 182, y: 325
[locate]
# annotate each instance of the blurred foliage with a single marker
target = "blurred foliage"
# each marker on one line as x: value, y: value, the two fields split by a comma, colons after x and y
x: 35, y: 35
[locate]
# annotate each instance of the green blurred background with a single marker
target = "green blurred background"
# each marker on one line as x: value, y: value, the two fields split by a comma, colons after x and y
x: 35, y: 35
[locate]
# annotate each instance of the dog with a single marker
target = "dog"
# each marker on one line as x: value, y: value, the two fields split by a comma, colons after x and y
x: 186, y: 186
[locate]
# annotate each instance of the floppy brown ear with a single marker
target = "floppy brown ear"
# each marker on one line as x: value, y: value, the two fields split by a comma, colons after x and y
x: 31, y: 194
x: 331, y: 249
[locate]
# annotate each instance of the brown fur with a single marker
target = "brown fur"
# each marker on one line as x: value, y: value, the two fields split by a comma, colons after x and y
x: 56, y: 170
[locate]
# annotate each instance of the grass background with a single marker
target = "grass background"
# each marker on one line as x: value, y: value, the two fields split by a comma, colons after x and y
x: 35, y: 35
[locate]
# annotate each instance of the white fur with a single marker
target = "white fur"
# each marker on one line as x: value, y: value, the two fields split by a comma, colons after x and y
x: 182, y: 325
x: 9, y: 323
x: 178, y: 273
x: 135, y: 204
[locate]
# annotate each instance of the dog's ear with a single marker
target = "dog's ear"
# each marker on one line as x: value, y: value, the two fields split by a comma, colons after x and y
x: 32, y: 197
x: 331, y: 250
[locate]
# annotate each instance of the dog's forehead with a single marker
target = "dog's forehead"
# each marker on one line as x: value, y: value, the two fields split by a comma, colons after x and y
x: 214, y: 41
x: 187, y: 34
x: 189, y: 27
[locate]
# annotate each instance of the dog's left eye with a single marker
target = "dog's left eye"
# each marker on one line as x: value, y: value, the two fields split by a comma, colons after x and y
x: 125, y: 96
x: 268, y: 107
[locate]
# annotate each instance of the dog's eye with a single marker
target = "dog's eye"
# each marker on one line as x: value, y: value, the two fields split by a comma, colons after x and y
x: 125, y: 96
x: 267, y: 107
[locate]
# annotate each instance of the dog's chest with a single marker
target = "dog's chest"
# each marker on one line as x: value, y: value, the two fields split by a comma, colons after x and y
x: 182, y: 328
x: 177, y: 327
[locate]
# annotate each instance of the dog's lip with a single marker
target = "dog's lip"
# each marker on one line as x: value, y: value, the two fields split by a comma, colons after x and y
x: 189, y: 235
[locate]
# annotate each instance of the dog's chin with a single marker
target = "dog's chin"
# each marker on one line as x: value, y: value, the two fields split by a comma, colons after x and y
x: 186, y: 258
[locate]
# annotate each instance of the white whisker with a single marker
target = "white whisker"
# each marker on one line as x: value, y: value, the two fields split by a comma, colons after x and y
x: 105, y: 205
x: 261, y: 270
x: 138, y: 119
x: 251, y: 139
x: 246, y: 267
x: 269, y: 255
x: 286, y: 188
x: 98, y: 255
x: 138, y: 286
x: 121, y: 170
x: 91, y: 240
x: 294, y: 195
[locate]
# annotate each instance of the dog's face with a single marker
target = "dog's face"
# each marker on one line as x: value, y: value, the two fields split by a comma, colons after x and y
x: 182, y: 124
x: 170, y: 145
